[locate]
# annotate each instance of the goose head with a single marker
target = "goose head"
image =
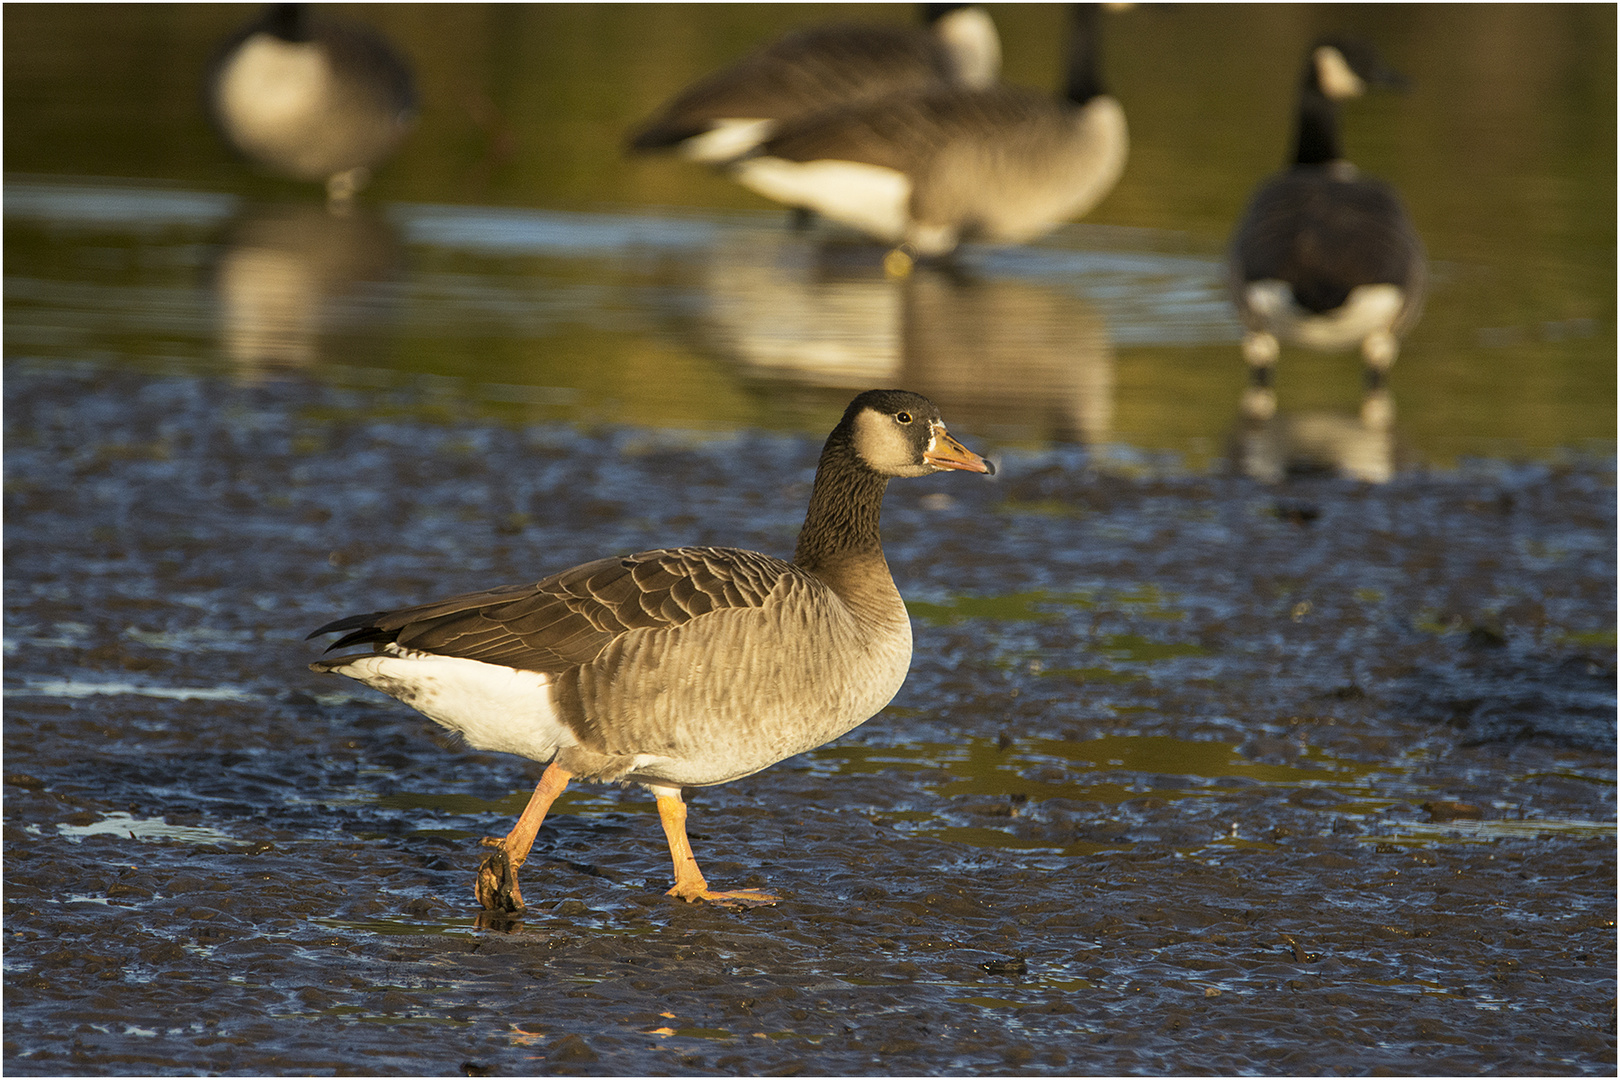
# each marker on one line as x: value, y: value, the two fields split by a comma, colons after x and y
x: 1336, y: 69
x: 971, y: 41
x: 1344, y: 68
x: 898, y: 433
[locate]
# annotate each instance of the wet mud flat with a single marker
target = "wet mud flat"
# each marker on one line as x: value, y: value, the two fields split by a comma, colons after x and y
x: 1190, y: 775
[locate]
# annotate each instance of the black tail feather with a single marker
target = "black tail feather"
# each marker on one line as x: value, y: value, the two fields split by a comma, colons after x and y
x: 364, y: 630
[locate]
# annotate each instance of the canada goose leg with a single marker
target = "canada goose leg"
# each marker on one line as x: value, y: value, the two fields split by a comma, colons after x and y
x: 1379, y: 351
x: 689, y: 882
x: 497, y: 885
x: 1260, y: 353
x: 1377, y: 410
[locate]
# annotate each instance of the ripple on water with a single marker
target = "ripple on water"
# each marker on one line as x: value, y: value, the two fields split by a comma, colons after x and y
x: 146, y: 830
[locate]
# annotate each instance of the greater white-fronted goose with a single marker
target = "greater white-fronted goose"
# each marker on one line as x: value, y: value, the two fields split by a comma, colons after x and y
x: 312, y: 98
x: 732, y: 111
x: 1325, y: 257
x: 926, y: 170
x: 682, y: 667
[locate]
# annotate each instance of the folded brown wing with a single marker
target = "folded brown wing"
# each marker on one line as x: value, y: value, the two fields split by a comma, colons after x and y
x: 803, y: 73
x: 569, y: 618
x: 908, y: 131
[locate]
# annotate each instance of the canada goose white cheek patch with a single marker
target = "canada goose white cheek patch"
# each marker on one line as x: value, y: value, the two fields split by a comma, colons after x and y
x: 867, y: 197
x: 971, y: 39
x: 1335, y: 75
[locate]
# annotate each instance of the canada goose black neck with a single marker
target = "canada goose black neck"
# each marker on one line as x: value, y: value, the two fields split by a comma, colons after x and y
x: 845, y: 505
x: 1317, y: 142
x: 1084, y: 81
x: 289, y: 22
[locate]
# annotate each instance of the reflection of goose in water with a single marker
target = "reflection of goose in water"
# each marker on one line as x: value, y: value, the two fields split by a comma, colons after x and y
x: 1013, y: 358
x: 732, y: 111
x: 290, y: 274
x: 313, y: 98
x: 1325, y: 257
x: 1271, y: 446
x: 929, y: 169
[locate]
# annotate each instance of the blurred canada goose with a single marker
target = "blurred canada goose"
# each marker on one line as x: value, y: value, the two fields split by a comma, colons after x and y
x: 1325, y: 257
x: 928, y: 169
x: 732, y: 111
x: 682, y: 667
x: 312, y: 98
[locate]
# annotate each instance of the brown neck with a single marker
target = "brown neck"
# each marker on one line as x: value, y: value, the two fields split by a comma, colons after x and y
x: 842, y: 523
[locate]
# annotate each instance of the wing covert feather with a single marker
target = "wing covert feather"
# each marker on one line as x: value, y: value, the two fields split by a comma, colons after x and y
x: 907, y: 131
x: 569, y: 618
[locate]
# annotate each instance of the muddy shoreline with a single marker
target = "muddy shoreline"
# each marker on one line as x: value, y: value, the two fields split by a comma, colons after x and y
x: 1191, y: 774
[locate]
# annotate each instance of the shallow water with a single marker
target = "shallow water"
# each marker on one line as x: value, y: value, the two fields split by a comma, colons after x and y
x: 1286, y: 749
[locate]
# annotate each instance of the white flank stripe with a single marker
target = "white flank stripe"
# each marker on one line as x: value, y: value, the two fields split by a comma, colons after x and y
x: 866, y: 197
x: 728, y: 139
x: 493, y: 707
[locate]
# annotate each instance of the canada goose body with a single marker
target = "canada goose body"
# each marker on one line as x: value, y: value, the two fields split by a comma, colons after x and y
x: 929, y: 169
x: 313, y: 99
x: 1325, y: 257
x: 680, y: 667
x: 732, y: 111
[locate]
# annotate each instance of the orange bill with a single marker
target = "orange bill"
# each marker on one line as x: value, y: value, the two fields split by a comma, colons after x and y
x: 947, y: 453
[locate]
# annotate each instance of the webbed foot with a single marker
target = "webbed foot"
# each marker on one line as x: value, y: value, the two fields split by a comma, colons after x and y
x: 497, y: 885
x: 737, y: 898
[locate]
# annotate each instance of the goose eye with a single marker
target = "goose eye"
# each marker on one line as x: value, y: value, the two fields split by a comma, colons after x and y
x: 903, y: 416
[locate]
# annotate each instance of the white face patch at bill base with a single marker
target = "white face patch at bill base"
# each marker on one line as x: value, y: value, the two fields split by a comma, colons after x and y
x: 883, y: 443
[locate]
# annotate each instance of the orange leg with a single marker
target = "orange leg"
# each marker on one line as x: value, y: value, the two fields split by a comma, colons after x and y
x: 497, y: 886
x: 689, y: 883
